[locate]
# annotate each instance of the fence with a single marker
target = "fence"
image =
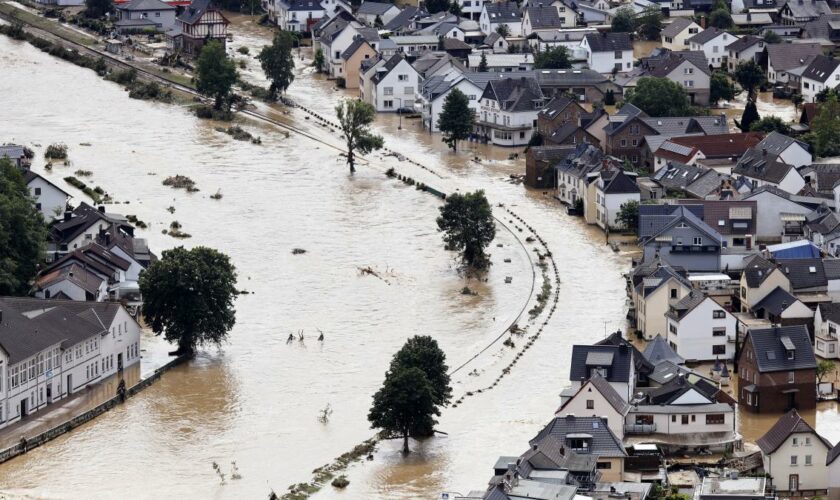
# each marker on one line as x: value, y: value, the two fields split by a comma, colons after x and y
x: 27, y: 444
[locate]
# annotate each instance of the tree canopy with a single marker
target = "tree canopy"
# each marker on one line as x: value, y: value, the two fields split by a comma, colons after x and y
x: 554, y: 58
x: 770, y: 124
x: 482, y: 63
x: 422, y: 351
x: 825, y: 128
x: 628, y: 215
x: 659, y: 97
x: 95, y: 9
x: 624, y: 21
x: 749, y: 116
x: 468, y: 226
x: 435, y: 6
x: 278, y: 63
x: 749, y: 76
x: 215, y: 72
x: 23, y: 233
x: 771, y: 37
x: 649, y: 22
x: 456, y: 120
x: 503, y: 30
x: 721, y: 88
x: 354, y: 118
x: 404, y: 405
x: 721, y: 18
x: 188, y: 297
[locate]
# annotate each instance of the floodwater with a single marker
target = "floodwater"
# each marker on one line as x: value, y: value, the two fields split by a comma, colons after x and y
x: 256, y: 401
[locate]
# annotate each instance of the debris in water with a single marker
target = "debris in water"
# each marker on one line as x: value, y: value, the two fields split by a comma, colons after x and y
x: 298, y: 251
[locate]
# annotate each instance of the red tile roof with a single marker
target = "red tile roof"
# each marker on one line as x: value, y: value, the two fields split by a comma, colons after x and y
x: 721, y: 145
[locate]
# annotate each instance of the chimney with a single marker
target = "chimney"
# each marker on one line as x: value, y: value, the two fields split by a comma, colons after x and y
x: 67, y: 215
x: 107, y: 239
x: 102, y: 209
x: 703, y: 21
x: 764, y: 152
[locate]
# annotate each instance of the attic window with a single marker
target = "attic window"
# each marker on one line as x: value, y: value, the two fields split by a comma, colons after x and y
x: 721, y: 222
x: 812, y: 269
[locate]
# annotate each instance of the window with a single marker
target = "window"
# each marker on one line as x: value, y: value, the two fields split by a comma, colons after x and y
x: 715, y: 419
x: 791, y: 377
x: 807, y: 441
x: 719, y: 331
x: 688, y: 71
x: 793, y: 459
x: 388, y: 91
x: 672, y: 328
x: 618, y: 66
x: 624, y: 143
x: 688, y: 83
x: 402, y: 78
x: 618, y: 54
x: 718, y: 349
x: 409, y: 91
x: 718, y: 314
x: 673, y: 293
x: 698, y: 240
x: 635, y: 142
x: 37, y: 191
x: 684, y: 420
x: 590, y: 404
x: 808, y: 460
x: 388, y: 104
x: 603, y: 465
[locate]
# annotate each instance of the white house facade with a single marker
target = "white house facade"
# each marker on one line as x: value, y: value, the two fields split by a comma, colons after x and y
x: 700, y: 329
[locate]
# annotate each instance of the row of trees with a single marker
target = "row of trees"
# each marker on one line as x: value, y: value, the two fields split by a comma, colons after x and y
x: 648, y: 23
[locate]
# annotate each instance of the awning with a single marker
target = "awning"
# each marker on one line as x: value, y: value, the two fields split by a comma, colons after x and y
x: 792, y: 217
x: 751, y: 388
x: 740, y: 213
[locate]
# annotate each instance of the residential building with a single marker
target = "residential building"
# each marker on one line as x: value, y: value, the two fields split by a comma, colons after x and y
x: 597, y: 398
x: 826, y: 326
x: 434, y: 90
x: 298, y: 15
x: 16, y: 154
x: 587, y: 436
x: 558, y: 112
x: 496, y: 43
x: 713, y: 42
x: 685, y: 241
x: 783, y: 214
x: 200, y: 22
x: 608, y: 52
x: 160, y: 14
x: 822, y: 74
x: 540, y: 162
x: 472, y: 8
x: 780, y: 307
x: 675, y: 35
x: 700, y: 329
x: 575, y: 171
x: 794, y: 456
x: 50, y: 199
x: 652, y: 297
x: 351, y: 61
x: 690, y: 70
x: 508, y: 111
x: 502, y: 63
x: 393, y: 85
x: 798, y: 12
x: 547, y: 17
x: 368, y: 12
x: 50, y: 349
x: 774, y: 162
x: 747, y: 48
x: 777, y: 370
x: 614, y: 188
x: 784, y: 59
x: 585, y: 84
x: 614, y: 363
x: 495, y: 14
x: 82, y: 225
x: 734, y: 220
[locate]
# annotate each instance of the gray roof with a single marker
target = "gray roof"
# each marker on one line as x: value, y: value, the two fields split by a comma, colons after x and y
x: 303, y: 5
x: 676, y: 27
x: 820, y: 28
x: 609, y: 42
x: 618, y: 182
x: 403, y: 19
x: 357, y: 43
x: 544, y: 17
x: 503, y: 12
x: 681, y: 125
x: 743, y: 43
x: 664, y: 66
x: 565, y: 77
x: 786, y: 56
x: 697, y: 180
x: 389, y: 65
x: 144, y: 5
x: 790, y: 423
x: 760, y: 164
x: 683, y: 214
x: 686, y: 304
x: 618, y: 365
x: 12, y: 151
x: 770, y: 354
x: 810, y: 9
x: 830, y: 311
x: 833, y: 454
x: 375, y: 8
x: 603, y: 442
x: 515, y: 94
x: 775, y: 302
x: 757, y: 270
x: 610, y: 394
x: 804, y: 273
x: 707, y: 35
x: 658, y: 351
x: 821, y: 68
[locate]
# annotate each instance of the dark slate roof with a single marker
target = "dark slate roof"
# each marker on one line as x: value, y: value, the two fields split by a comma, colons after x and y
x: 559, y: 135
x: 544, y: 17
x: 616, y: 339
x: 676, y: 175
x: 658, y: 351
x: 786, y: 56
x: 706, y: 35
x: 821, y: 27
x: 757, y: 164
x: 303, y: 5
x: 812, y: 9
x: 757, y: 270
x: 728, y: 211
x: 604, y: 443
x: 683, y: 214
x: 609, y: 42
x: 770, y: 354
x: 686, y: 304
x: 450, y: 43
x: 629, y: 111
x: 357, y: 43
x: 672, y: 390
x: 599, y: 355
x: 664, y: 66
x: 821, y: 68
x: 194, y: 11
x: 617, y: 182
x: 11, y: 151
x: 503, y: 12
x: 804, y: 273
x: 830, y: 311
x: 681, y: 125
x: 790, y: 423
x: 515, y: 94
x: 403, y: 19
x: 610, y: 394
x: 775, y: 302
x: 29, y: 176
x: 74, y: 273
x: 389, y: 65
x: 142, y: 5
x: 676, y: 27
x: 743, y: 43
x: 555, y: 106
x: 374, y: 8
x: 833, y: 454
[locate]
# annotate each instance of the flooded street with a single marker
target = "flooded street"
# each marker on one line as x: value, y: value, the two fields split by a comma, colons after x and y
x: 256, y: 402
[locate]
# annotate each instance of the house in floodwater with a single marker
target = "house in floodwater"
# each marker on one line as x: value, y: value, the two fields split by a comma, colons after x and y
x: 200, y: 23
x: 50, y: 349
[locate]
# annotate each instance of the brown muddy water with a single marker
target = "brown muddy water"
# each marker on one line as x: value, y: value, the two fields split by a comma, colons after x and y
x: 256, y: 401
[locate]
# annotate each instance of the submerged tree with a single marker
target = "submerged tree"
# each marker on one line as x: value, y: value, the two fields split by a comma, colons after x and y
x: 721, y: 88
x: 749, y: 76
x: 23, y: 233
x: 98, y: 8
x: 659, y: 97
x: 278, y: 63
x: 354, y: 118
x: 750, y: 115
x: 188, y: 297
x: 422, y: 351
x: 468, y: 226
x: 215, y: 73
x: 624, y: 21
x: 770, y: 124
x: 457, y: 119
x: 318, y: 60
x: 825, y: 128
x: 554, y: 58
x: 628, y: 215
x: 649, y: 22
x: 404, y: 404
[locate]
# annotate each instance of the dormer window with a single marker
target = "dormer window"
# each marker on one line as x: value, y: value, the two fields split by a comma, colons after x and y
x: 598, y: 371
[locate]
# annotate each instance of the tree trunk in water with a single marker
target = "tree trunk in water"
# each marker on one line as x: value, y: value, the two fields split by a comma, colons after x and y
x: 405, y: 442
x: 351, y: 159
x: 218, y: 104
x: 185, y: 348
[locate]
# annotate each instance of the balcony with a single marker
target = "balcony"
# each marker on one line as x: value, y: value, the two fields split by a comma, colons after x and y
x: 639, y: 428
x: 697, y: 249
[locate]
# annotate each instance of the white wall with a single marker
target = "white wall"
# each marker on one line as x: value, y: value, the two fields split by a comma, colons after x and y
x: 673, y: 424
x: 601, y: 408
x: 797, y: 156
x: 680, y: 42
x: 693, y: 336
x: 811, y: 477
x: 403, y: 90
x: 768, y: 223
x: 715, y: 49
x: 51, y: 199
